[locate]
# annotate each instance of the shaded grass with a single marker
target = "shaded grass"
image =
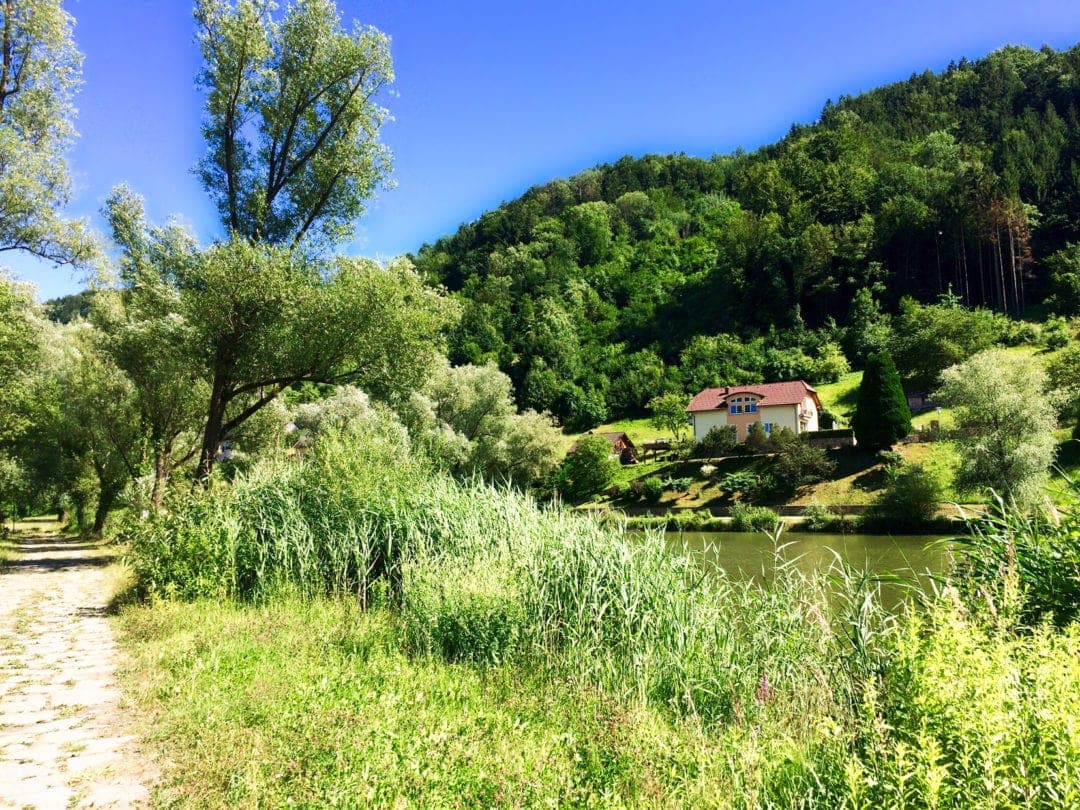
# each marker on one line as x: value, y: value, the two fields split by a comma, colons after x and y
x: 1066, y: 465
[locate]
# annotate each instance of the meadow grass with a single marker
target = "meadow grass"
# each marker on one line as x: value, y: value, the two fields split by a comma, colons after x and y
x: 639, y: 428
x: 317, y: 703
x: 840, y: 397
x: 358, y: 634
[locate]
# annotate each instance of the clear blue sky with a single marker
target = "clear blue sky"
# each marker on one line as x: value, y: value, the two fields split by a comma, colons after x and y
x: 493, y: 97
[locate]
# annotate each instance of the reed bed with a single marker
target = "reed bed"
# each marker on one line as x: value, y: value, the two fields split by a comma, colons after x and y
x: 810, y: 692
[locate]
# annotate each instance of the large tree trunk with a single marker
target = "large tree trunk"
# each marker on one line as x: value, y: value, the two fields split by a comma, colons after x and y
x: 106, y: 499
x: 215, y: 417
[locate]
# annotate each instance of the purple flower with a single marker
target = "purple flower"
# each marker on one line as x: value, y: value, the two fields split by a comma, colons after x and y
x: 765, y: 693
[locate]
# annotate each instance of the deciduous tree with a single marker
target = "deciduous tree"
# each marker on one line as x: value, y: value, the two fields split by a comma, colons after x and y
x: 669, y: 413
x: 40, y: 70
x: 588, y: 469
x: 1004, y: 424
x: 292, y: 118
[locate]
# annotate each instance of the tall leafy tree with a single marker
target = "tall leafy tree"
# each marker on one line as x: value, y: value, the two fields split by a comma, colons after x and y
x: 292, y: 118
x: 292, y: 131
x: 20, y: 344
x: 40, y: 70
x: 150, y: 339
x: 248, y: 320
x: 85, y: 442
x: 882, y: 416
x: 669, y: 413
x: 1005, y: 424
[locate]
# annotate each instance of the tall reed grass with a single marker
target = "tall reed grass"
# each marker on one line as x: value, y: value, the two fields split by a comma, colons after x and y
x: 486, y: 574
x: 827, y: 699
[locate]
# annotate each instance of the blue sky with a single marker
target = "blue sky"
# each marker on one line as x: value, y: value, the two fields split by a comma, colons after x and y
x: 493, y: 97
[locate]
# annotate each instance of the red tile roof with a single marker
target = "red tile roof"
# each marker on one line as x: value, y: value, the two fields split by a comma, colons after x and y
x: 782, y: 393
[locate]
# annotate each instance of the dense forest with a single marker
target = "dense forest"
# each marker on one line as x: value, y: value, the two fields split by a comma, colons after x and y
x: 596, y: 292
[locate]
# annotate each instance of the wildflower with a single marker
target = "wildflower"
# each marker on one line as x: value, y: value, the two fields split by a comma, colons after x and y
x: 765, y: 693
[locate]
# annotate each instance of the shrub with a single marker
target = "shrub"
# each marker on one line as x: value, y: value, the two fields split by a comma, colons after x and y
x: 708, y: 470
x: 1055, y: 333
x: 678, y: 484
x: 756, y: 440
x: 747, y: 518
x: 588, y: 469
x: 797, y: 462
x: 911, y: 499
x: 652, y: 488
x: 719, y: 441
x: 892, y: 462
x: 683, y: 448
x: 819, y: 518
x: 890, y: 458
x: 743, y: 481
x: 1019, y: 333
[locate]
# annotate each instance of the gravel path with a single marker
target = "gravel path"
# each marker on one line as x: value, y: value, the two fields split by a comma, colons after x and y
x: 64, y: 735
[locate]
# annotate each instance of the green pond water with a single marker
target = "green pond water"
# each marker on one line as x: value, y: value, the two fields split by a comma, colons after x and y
x: 753, y: 556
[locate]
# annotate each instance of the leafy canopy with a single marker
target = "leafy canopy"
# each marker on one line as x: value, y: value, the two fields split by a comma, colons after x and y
x: 1005, y: 423
x: 292, y: 122
x: 39, y: 72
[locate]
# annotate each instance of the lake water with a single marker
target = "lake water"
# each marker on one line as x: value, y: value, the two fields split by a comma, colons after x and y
x: 753, y: 555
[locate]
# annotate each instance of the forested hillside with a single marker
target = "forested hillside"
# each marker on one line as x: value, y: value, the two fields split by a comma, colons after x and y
x: 597, y: 292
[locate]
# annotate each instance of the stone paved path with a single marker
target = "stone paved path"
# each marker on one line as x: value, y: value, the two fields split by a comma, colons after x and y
x: 64, y: 736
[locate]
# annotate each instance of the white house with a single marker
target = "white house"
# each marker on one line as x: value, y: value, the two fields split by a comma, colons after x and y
x: 793, y: 405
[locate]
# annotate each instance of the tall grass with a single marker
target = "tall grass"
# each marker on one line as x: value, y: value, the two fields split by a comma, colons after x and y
x: 485, y: 574
x: 820, y: 697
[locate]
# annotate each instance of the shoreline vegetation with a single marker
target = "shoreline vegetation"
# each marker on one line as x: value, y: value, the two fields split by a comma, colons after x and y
x: 695, y: 521
x: 378, y: 633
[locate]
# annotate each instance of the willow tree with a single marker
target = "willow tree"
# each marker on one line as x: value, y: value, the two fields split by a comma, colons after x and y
x: 1005, y: 421
x: 40, y: 71
x: 226, y: 329
x: 266, y: 317
x: 292, y: 131
x: 292, y: 119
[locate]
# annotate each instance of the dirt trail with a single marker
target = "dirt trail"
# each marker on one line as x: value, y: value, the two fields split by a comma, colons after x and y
x: 64, y: 734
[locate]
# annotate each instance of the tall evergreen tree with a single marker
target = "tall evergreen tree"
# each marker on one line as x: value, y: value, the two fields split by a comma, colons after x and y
x: 882, y: 416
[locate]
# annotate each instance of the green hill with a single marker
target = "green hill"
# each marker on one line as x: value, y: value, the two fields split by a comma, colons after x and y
x: 672, y: 272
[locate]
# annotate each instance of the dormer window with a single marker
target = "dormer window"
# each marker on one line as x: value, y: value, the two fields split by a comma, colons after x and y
x: 742, y: 405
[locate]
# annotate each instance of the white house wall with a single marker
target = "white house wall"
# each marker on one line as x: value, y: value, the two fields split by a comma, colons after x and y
x: 810, y: 408
x: 780, y: 415
x: 704, y: 421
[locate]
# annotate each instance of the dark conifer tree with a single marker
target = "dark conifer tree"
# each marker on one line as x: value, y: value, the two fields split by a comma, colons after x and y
x: 882, y: 416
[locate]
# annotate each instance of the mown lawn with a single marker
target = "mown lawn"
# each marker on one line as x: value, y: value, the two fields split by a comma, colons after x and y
x: 839, y: 398
x: 639, y: 429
